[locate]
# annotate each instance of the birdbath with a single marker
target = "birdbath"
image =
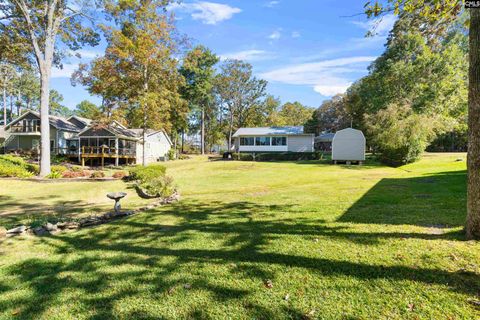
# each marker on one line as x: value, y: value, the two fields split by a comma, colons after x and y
x: 116, y: 196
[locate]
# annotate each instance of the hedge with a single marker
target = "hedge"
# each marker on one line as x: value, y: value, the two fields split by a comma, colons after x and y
x: 278, y: 156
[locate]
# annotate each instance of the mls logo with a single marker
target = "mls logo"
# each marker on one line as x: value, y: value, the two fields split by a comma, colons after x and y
x: 472, y: 4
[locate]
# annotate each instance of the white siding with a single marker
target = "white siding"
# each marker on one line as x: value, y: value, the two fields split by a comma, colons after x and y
x: 348, y: 145
x: 303, y: 143
x: 157, y: 146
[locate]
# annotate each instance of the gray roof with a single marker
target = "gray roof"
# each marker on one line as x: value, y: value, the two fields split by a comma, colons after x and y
x: 86, y: 121
x: 59, y: 123
x: 269, y: 131
x: 63, y: 124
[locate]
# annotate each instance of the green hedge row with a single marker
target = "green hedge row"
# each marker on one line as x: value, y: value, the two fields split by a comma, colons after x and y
x: 278, y: 156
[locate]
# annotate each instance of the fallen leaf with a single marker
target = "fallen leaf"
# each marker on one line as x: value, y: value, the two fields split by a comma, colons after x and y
x: 453, y: 257
x: 411, y: 307
x: 171, y: 290
x: 187, y: 285
x: 315, y: 240
x: 268, y: 284
x: 309, y: 316
x: 287, y: 297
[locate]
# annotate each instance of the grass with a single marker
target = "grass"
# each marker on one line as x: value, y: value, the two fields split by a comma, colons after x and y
x: 342, y: 242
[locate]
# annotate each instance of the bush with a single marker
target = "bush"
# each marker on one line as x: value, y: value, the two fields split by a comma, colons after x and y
x: 152, y: 180
x: 171, y: 155
x: 278, y: 156
x: 54, y: 175
x: 97, y: 175
x: 59, y: 169
x: 399, y: 134
x: 13, y: 166
x: 119, y: 174
x: 75, y: 174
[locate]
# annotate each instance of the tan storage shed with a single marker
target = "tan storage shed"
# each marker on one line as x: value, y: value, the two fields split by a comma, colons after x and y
x: 348, y: 145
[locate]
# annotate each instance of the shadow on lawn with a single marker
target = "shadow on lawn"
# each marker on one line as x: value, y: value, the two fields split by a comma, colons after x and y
x: 437, y: 200
x: 157, y: 260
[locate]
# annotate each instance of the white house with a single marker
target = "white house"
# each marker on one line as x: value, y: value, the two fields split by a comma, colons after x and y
x: 157, y: 144
x: 348, y: 145
x: 273, y: 139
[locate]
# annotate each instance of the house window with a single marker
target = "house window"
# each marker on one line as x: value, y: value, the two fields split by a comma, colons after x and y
x: 262, y: 141
x: 279, y: 141
x: 52, y: 146
x: 247, y: 141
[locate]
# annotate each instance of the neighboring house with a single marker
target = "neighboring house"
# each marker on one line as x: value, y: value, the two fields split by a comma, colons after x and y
x: 323, y: 142
x: 348, y: 145
x: 85, y: 141
x: 273, y: 139
x: 23, y: 133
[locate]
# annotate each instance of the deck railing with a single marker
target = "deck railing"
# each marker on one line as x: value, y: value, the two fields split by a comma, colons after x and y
x: 107, y: 151
x: 20, y: 128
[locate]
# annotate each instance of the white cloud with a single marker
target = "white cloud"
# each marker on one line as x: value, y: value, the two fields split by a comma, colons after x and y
x: 248, y: 55
x: 326, y: 77
x: 65, y: 72
x: 86, y: 54
x: 380, y: 26
x: 275, y: 35
x: 207, y: 12
x: 272, y: 4
x: 331, y: 90
x: 296, y: 34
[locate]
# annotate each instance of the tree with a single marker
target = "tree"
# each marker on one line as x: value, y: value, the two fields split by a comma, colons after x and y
x: 295, y: 114
x: 199, y: 74
x: 56, y: 106
x: 139, y: 73
x: 43, y: 24
x: 434, y: 15
x: 239, y: 93
x: 331, y: 116
x: 400, y: 134
x: 87, y: 109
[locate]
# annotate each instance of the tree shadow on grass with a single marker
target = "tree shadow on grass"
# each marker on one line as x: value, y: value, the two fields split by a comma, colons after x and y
x: 158, y: 259
x: 437, y: 200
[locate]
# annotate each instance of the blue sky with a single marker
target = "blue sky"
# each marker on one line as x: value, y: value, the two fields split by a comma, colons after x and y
x: 308, y: 50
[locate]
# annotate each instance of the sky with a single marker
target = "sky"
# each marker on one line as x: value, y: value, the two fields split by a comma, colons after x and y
x: 307, y: 50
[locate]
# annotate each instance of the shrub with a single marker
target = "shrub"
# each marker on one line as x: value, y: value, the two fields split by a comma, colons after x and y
x: 171, y: 155
x: 119, y: 174
x: 97, y: 175
x: 152, y: 180
x: 399, y: 134
x: 278, y: 156
x: 54, y: 175
x: 59, y: 169
x: 13, y: 166
x: 75, y: 174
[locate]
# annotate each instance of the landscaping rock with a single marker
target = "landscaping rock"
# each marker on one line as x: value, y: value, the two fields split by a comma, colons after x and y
x: 40, y: 231
x: 3, y: 232
x: 67, y: 225
x: 17, y: 230
x: 51, y: 227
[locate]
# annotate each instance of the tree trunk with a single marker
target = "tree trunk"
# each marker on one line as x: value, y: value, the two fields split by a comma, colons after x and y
x: 473, y: 162
x: 5, y: 103
x: 144, y: 149
x: 202, y: 138
x: 44, y: 122
x: 230, y: 132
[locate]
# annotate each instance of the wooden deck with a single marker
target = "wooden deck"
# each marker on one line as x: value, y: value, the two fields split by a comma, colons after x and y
x: 102, y: 153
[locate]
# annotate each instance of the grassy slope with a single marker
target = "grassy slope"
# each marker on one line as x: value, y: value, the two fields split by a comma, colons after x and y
x: 342, y: 242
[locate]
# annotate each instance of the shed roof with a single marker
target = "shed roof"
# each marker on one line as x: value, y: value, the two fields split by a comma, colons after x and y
x: 269, y: 131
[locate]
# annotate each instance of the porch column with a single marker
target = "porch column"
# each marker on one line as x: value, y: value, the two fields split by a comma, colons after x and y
x: 116, y: 152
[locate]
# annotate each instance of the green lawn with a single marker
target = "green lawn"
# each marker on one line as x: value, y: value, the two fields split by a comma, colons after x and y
x: 342, y: 242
